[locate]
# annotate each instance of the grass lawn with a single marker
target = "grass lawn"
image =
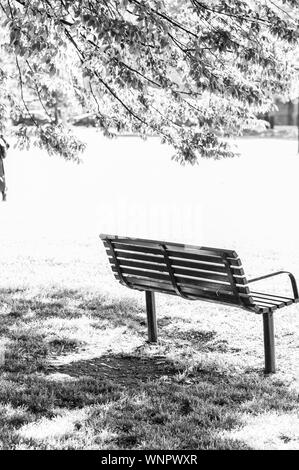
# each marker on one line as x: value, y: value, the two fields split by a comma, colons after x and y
x: 76, y: 370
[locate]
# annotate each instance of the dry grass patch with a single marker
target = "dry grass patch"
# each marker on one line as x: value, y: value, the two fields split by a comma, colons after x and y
x: 270, y: 430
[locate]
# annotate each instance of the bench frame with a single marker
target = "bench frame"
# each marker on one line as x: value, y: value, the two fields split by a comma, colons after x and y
x: 268, y: 319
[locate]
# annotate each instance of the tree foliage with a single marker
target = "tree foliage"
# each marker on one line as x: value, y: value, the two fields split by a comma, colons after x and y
x: 190, y: 72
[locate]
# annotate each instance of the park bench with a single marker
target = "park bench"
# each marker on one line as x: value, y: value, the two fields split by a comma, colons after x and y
x: 193, y: 273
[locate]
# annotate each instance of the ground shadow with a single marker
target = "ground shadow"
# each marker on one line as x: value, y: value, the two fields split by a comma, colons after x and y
x: 125, y: 370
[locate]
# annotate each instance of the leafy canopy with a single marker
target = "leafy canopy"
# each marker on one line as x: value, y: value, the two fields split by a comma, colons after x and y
x: 189, y: 71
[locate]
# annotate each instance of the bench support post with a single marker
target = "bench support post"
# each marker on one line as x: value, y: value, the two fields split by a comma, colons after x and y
x: 269, y: 343
x: 151, y: 316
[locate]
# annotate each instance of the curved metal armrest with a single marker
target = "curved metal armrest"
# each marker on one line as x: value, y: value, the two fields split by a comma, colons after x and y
x: 291, y: 276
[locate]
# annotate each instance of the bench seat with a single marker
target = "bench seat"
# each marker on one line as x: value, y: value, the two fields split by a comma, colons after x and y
x: 268, y: 302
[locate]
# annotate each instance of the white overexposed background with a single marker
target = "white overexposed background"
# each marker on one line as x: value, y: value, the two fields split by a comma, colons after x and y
x: 132, y: 187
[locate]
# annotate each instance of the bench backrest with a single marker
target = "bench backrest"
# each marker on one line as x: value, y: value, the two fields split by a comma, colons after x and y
x: 192, y: 272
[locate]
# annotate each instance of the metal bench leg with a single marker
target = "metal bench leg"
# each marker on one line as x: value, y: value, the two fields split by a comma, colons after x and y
x: 151, y: 316
x: 269, y: 343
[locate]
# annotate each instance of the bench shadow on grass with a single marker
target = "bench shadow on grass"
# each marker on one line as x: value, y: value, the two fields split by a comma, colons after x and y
x: 140, y: 399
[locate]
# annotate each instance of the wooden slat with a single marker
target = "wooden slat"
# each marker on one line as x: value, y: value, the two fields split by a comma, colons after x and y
x: 150, y: 283
x: 185, y: 272
x: 273, y: 302
x: 182, y: 282
x: 212, y: 258
x: 206, y: 266
x: 195, y: 256
x: 179, y: 253
x: 148, y: 274
x: 177, y: 246
x: 238, y: 271
x: 140, y: 265
x: 180, y: 279
x: 135, y: 248
x: 200, y: 257
x: 268, y: 302
x: 209, y: 275
x: 263, y: 302
x: 194, y: 291
x: 138, y: 256
x: 200, y: 274
x: 280, y: 303
x: 264, y: 294
x: 175, y: 256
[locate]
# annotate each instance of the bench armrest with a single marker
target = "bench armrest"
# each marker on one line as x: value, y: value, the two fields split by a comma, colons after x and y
x: 291, y: 276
